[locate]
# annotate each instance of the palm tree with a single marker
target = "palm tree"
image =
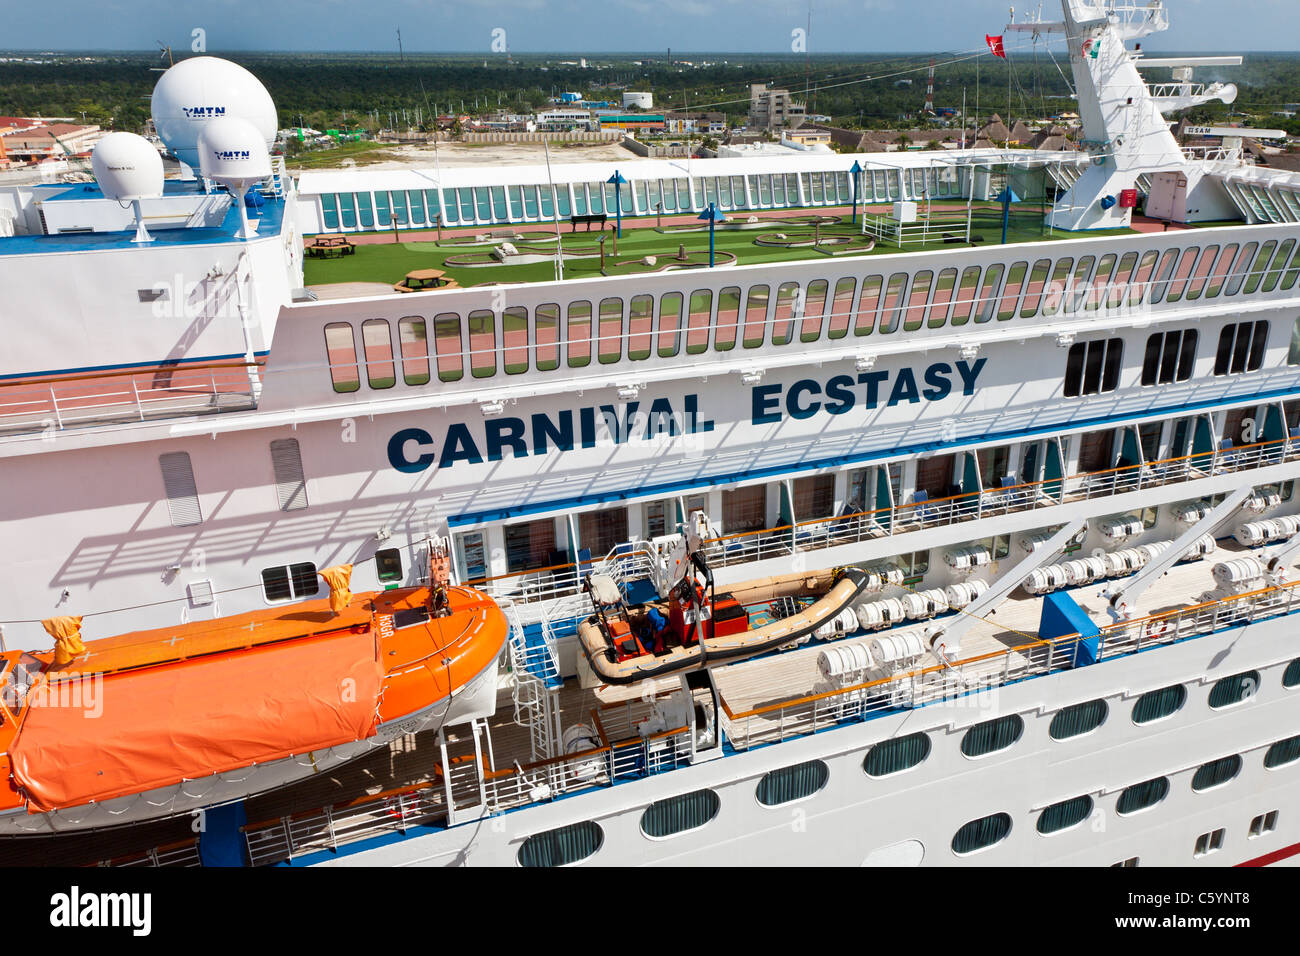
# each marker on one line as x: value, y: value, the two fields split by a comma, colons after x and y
x: 903, y: 141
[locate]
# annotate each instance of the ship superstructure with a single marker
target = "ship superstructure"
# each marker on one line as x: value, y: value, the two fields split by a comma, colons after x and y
x: 1061, y: 470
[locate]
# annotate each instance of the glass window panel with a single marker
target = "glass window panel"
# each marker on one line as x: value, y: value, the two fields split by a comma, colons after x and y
x: 917, y: 299
x: 944, y: 288
x: 447, y: 344
x: 841, y: 308
x: 611, y: 330
x: 814, y: 307
x: 365, y: 211
x: 514, y: 339
x: 967, y: 290
x: 867, y: 305
x: 670, y: 324
x: 413, y: 341
x: 578, y: 333
x: 341, y: 354
x: 640, y: 326
x: 783, y: 316
x: 546, y: 337
x: 724, y: 339
x: 482, y: 343
x: 698, y: 321
x: 756, y: 300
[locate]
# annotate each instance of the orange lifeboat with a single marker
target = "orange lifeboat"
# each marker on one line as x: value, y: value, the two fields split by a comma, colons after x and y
x: 159, y: 723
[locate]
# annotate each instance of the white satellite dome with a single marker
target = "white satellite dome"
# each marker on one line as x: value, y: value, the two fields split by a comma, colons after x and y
x: 231, y: 151
x: 127, y: 167
x: 197, y: 91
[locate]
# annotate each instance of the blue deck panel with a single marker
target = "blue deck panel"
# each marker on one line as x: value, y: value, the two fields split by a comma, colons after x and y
x: 269, y: 216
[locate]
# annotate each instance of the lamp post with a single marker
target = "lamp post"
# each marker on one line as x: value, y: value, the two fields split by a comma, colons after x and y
x: 712, y: 216
x: 1006, y: 197
x: 855, y: 171
x: 618, y: 182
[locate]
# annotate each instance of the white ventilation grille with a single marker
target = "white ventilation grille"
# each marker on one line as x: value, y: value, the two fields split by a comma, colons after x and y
x: 182, y: 495
x: 290, y: 485
x: 200, y: 592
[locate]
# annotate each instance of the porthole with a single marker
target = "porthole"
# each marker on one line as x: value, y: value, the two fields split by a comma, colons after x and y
x: 992, y: 735
x: 895, y: 756
x: 687, y: 811
x: 563, y: 845
x: 1216, y: 773
x: 1063, y: 815
x: 1283, y: 752
x: 981, y: 834
x: 1158, y: 704
x: 1078, y: 719
x: 1234, y: 689
x: 792, y: 783
x: 1140, y: 796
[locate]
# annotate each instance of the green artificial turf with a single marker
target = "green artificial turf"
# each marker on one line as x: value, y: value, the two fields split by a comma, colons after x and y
x: 388, y: 262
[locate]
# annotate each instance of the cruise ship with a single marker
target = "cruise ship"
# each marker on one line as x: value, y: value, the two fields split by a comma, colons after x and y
x: 1022, y: 500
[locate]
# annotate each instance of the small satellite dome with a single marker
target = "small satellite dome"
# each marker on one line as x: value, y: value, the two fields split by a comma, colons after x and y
x: 197, y: 91
x: 231, y: 152
x: 127, y: 167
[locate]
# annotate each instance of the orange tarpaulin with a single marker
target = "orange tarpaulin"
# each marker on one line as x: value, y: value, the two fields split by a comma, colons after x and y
x: 138, y: 730
x: 66, y: 632
x: 339, y: 578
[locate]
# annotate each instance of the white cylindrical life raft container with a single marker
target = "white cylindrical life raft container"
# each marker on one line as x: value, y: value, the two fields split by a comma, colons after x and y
x: 846, y: 659
x: 1238, y: 571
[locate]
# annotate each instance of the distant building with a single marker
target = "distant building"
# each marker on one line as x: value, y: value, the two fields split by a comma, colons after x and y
x: 773, y: 109
x: 33, y: 144
x: 715, y: 123
x: 809, y: 136
x: 563, y: 119
x: 650, y: 122
x: 641, y: 101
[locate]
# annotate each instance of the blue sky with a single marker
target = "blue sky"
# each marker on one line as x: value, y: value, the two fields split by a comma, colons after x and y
x: 595, y: 25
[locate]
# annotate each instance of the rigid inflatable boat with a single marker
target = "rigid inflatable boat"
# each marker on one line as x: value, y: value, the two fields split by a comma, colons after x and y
x: 695, y: 626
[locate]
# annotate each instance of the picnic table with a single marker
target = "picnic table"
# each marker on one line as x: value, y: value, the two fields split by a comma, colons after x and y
x: 330, y: 247
x: 422, y: 280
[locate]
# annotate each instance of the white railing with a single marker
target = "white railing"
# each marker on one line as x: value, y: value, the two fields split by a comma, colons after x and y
x: 331, y: 827
x: 928, y: 683
x: 185, y: 853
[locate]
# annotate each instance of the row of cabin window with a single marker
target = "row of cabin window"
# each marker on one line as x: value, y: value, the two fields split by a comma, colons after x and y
x: 1093, y: 367
x: 810, y: 312
x: 690, y: 811
x: 473, y: 204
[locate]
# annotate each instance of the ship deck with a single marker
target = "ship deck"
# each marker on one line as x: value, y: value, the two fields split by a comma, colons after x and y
x: 380, y: 261
x: 414, y: 762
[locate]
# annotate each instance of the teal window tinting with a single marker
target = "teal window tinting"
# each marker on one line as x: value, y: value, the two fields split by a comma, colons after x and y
x: 992, y: 735
x: 365, y: 211
x: 347, y: 211
x: 1291, y: 676
x: 383, y: 218
x: 329, y: 210
x: 982, y: 833
x: 516, y: 202
x: 1063, y: 815
x: 466, y: 203
x: 399, y: 207
x: 1142, y: 795
x: 432, y: 204
x: 689, y: 811
x: 562, y: 846
x: 1234, y: 689
x: 1155, y: 704
x: 1078, y: 719
x: 792, y: 783
x: 897, y: 755
x: 1216, y: 773
x: 1282, y: 753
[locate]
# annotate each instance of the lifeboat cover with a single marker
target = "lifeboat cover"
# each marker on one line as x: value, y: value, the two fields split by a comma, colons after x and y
x: 138, y: 730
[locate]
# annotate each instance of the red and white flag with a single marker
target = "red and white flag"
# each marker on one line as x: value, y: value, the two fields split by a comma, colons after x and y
x: 995, y: 45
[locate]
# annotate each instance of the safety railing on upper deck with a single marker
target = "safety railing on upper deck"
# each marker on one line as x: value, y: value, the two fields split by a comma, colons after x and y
x: 462, y: 343
x: 926, y: 684
x: 565, y: 580
x: 468, y: 788
x: 59, y: 402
